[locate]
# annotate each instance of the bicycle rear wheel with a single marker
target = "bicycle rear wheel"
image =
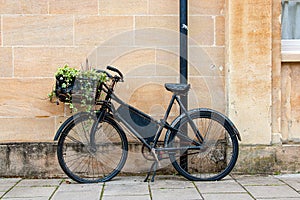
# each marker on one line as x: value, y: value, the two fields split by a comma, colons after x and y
x: 207, y: 160
x: 89, y: 151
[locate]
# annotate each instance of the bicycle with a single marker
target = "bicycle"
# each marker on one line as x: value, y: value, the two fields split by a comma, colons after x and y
x: 202, y: 144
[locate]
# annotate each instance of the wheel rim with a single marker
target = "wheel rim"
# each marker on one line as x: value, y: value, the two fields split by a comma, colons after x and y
x: 218, y: 154
x: 91, y: 159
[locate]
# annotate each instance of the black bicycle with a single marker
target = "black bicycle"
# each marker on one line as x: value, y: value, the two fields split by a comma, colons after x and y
x: 202, y: 144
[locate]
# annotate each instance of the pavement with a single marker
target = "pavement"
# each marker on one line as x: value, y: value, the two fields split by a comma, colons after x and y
x: 234, y: 187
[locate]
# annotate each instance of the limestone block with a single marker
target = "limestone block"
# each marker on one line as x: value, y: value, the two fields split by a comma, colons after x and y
x: 277, y: 138
x: 152, y: 98
x: 220, y: 31
x: 167, y: 61
x: 37, y: 30
x: 24, y: 7
x: 6, y: 64
x: 123, y: 7
x: 207, y: 92
x: 165, y: 33
x: 286, y: 85
x: 27, y: 98
x: 206, y: 61
x: 0, y: 30
x: 44, y: 61
x: 276, y: 67
x: 166, y: 70
x: 27, y: 129
x: 196, y: 7
x: 160, y: 22
x: 290, y: 104
x: 146, y: 93
x: 160, y: 31
x: 73, y: 7
x: 94, y: 30
x: 139, y: 62
x: 107, y: 53
x: 201, y: 29
x: 288, y: 158
x: 249, y: 62
x: 29, y: 160
x: 166, y: 7
x: 203, y: 7
x: 256, y: 159
x: 294, y: 122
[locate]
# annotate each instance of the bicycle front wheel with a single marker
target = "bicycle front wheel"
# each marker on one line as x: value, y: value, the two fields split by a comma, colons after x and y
x: 89, y: 151
x: 208, y: 160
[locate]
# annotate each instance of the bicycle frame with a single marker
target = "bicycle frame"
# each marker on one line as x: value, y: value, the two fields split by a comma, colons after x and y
x: 107, y: 105
x: 94, y: 147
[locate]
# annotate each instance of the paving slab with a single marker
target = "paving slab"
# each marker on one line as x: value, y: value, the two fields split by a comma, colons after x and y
x: 258, y: 180
x: 9, y: 181
x: 126, y: 180
x: 29, y: 192
x: 273, y: 192
x: 75, y: 195
x: 228, y: 196
x: 5, y: 188
x: 291, y: 180
x: 80, y: 187
x: 173, y: 193
x: 285, y: 198
x: 285, y: 187
x: 126, y: 189
x: 29, y: 198
x: 137, y: 197
x: 39, y: 182
x: 2, y: 193
x: 283, y: 176
x: 227, y: 186
x: 172, y: 184
x: 76, y: 191
x: 295, y: 184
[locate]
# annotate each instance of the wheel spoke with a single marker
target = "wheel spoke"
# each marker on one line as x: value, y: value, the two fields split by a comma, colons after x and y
x: 218, y: 153
x: 98, y: 160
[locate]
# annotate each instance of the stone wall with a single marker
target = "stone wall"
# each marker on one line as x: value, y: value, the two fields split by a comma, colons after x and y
x: 290, y: 102
x: 37, y: 37
x: 140, y: 37
x: 234, y: 67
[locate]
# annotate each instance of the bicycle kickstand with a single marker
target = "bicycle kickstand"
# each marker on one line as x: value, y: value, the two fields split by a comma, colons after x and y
x: 154, y: 168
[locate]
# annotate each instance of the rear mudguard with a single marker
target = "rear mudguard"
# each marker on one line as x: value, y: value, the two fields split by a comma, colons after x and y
x: 191, y: 112
x: 70, y: 119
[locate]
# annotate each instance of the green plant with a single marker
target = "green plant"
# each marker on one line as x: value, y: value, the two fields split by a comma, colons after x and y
x: 75, y: 85
x: 68, y: 73
x: 65, y: 77
x: 87, y: 84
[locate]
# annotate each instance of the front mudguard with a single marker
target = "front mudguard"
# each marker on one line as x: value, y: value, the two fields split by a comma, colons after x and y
x: 62, y: 127
x: 73, y: 118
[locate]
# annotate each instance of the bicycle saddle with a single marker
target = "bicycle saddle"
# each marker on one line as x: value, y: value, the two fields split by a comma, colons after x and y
x: 177, y: 88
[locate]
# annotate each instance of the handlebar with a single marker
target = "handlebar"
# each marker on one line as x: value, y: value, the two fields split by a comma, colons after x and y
x: 115, y: 70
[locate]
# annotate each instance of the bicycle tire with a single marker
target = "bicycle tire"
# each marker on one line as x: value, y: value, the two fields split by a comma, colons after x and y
x: 219, y: 150
x: 87, y: 163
